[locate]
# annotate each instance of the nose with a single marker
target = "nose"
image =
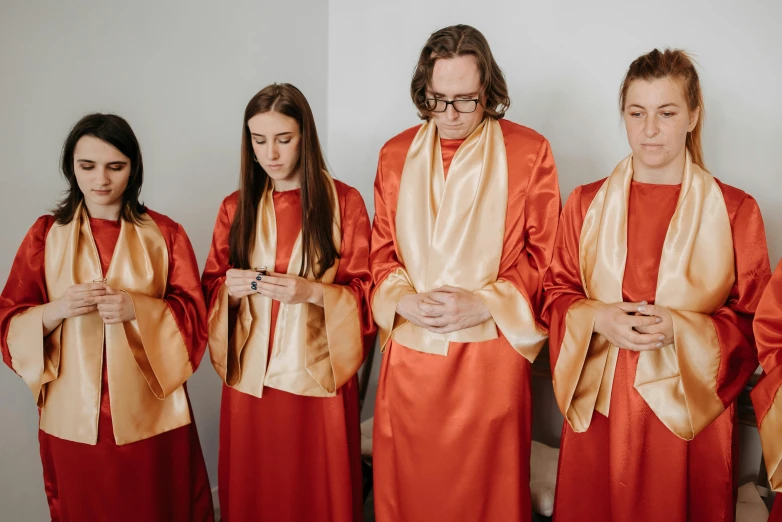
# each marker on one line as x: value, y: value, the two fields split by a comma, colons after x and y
x: 271, y: 151
x: 102, y: 178
x: 651, y: 127
x: 450, y: 113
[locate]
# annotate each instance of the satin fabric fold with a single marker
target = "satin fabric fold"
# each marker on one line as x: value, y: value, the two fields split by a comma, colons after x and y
x: 314, y: 350
x: 450, y: 232
x: 695, y: 278
x: 140, y: 354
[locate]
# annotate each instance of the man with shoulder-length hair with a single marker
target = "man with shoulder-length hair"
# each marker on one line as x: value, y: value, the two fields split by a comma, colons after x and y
x: 466, y: 212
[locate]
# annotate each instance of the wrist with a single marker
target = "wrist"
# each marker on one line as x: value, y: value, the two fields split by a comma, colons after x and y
x: 51, y: 312
x: 315, y: 293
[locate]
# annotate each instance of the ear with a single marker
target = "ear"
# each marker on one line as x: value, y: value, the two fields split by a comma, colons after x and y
x: 694, y: 117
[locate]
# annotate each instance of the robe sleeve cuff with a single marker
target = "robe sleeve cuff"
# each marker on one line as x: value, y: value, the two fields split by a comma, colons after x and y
x: 385, y: 301
x: 225, y: 348
x: 333, y: 359
x: 513, y: 316
x: 767, y: 399
x: 581, y: 365
x: 679, y: 381
x: 35, y: 358
x: 157, y: 345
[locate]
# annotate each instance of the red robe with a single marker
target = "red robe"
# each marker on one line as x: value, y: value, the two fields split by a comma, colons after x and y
x: 286, y: 457
x: 629, y: 466
x: 768, y: 333
x: 452, y: 434
x: 159, y: 479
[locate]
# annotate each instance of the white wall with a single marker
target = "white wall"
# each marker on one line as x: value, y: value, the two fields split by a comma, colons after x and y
x: 181, y: 73
x: 564, y: 61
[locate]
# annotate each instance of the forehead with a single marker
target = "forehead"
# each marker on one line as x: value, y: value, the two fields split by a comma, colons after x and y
x: 97, y: 150
x: 271, y: 123
x: 452, y: 76
x: 654, y: 93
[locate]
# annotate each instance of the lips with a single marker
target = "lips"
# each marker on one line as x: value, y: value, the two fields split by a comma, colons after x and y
x: 102, y: 192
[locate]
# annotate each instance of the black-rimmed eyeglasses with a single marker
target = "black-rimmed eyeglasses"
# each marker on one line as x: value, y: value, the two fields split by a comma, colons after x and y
x: 438, y: 105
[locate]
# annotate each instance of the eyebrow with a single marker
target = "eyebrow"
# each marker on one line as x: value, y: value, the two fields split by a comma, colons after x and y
x: 262, y: 136
x: 469, y: 95
x: 660, y: 107
x: 120, y: 162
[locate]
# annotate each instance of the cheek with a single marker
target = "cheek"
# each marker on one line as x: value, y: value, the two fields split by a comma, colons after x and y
x: 292, y: 154
x: 82, y: 179
x: 121, y: 179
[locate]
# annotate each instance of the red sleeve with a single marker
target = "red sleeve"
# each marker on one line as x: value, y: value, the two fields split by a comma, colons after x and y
x: 733, y: 321
x: 562, y: 282
x: 354, y: 272
x: 26, y: 285
x: 542, y: 208
x: 184, y: 297
x: 217, y: 262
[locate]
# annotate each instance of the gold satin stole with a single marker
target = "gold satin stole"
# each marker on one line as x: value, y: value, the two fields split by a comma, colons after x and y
x: 314, y: 351
x: 696, y: 275
x: 450, y: 231
x: 146, y: 359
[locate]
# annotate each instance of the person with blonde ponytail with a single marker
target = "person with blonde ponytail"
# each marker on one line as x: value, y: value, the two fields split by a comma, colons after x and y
x: 649, y: 299
x: 287, y: 285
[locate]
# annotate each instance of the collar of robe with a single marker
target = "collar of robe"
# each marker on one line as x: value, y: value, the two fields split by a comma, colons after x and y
x: 695, y: 277
x: 450, y: 231
x: 314, y: 351
x: 69, y: 393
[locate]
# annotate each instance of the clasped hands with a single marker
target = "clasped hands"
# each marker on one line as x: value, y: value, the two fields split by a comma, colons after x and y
x: 635, y: 326
x: 114, y: 306
x: 444, y: 310
x: 286, y: 288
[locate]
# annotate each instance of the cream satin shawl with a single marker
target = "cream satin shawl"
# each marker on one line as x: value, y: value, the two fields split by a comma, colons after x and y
x: 146, y: 359
x: 314, y: 351
x: 450, y: 231
x: 696, y: 275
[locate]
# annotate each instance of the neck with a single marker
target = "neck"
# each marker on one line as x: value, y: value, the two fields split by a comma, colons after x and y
x: 110, y: 212
x: 290, y: 183
x: 670, y: 174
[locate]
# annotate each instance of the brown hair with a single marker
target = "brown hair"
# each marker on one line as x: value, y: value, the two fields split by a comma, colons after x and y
x: 115, y: 131
x: 675, y: 64
x: 317, y: 213
x: 452, y: 42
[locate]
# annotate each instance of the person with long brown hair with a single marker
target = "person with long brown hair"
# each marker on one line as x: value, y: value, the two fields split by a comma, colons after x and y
x: 767, y: 394
x: 287, y: 284
x: 466, y: 211
x: 103, y: 318
x: 649, y: 300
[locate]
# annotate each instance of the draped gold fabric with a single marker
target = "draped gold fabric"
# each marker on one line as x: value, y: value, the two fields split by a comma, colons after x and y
x: 450, y: 231
x: 696, y: 275
x: 146, y: 359
x: 315, y: 350
x: 771, y: 435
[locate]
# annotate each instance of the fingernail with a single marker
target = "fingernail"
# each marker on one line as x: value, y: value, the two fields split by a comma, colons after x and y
x: 659, y: 319
x: 659, y: 345
x: 258, y: 278
x: 644, y: 302
x: 661, y: 338
x: 641, y: 308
